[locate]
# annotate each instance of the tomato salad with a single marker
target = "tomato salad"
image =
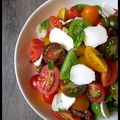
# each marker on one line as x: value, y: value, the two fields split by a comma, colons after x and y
x: 75, y: 57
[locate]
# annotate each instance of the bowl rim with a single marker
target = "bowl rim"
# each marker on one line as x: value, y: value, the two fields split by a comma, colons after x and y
x: 15, y: 58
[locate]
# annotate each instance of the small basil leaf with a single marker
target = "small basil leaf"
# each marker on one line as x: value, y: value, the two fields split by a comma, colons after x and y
x: 44, y: 25
x: 106, y: 21
x: 60, y: 110
x: 108, y: 98
x: 51, y: 65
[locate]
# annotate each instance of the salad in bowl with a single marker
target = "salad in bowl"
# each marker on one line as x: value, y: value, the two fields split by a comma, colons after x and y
x: 75, y: 59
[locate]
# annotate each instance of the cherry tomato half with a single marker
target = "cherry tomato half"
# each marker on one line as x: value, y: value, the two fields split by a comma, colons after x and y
x: 33, y: 81
x: 36, y: 48
x: 54, y: 52
x: 109, y: 77
x: 66, y: 116
x: 96, y: 92
x: 90, y: 14
x: 49, y: 80
x: 72, y: 13
x: 54, y: 22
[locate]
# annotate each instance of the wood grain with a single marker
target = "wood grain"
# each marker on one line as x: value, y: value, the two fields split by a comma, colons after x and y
x: 14, y: 15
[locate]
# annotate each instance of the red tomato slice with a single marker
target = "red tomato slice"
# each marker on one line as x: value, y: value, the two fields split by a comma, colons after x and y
x: 33, y: 81
x: 66, y: 116
x: 72, y: 13
x: 36, y: 48
x: 49, y: 80
x: 109, y: 77
x: 54, y: 22
x: 96, y: 92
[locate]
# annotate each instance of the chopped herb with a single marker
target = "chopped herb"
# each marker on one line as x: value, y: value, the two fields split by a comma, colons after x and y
x: 51, y: 65
x: 60, y: 110
x: 101, y: 55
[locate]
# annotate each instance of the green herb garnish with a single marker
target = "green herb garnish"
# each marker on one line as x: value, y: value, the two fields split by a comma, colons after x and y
x: 51, y: 65
x: 108, y: 98
x: 60, y: 110
x: 105, y: 20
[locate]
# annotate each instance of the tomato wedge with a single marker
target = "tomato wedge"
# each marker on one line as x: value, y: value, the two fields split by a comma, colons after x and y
x: 66, y: 116
x: 72, y: 13
x: 96, y: 92
x: 54, y: 52
x: 109, y: 77
x: 48, y: 80
x: 36, y: 48
x: 54, y: 22
x: 93, y: 60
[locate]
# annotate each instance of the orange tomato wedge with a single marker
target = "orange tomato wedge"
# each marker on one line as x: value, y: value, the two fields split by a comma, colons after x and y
x: 95, y: 62
x: 80, y: 51
x: 81, y: 103
x: 82, y: 60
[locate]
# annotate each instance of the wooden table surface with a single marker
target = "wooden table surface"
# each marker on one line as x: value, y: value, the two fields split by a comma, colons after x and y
x: 14, y: 15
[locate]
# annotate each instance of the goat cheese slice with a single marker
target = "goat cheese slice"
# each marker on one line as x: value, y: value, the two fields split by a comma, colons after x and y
x: 81, y: 74
x: 62, y: 101
x: 95, y: 36
x: 59, y: 36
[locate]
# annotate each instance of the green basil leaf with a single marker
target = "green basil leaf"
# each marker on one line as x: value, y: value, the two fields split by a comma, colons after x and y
x: 108, y: 98
x: 45, y: 25
x: 76, y: 31
x: 70, y: 60
x: 106, y: 21
x: 79, y: 39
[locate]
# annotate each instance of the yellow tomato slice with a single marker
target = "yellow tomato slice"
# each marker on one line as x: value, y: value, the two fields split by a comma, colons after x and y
x: 46, y: 41
x: 62, y: 13
x: 95, y: 62
x: 81, y: 103
x: 82, y: 60
x: 80, y: 51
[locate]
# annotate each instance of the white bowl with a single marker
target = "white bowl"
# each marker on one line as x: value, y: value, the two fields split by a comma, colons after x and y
x: 23, y: 69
